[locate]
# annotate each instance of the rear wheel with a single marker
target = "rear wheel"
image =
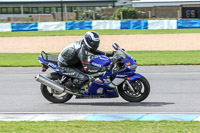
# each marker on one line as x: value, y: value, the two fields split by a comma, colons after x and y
x: 141, y: 90
x: 53, y: 95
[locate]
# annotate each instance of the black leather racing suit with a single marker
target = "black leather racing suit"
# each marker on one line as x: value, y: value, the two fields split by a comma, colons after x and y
x: 75, y: 56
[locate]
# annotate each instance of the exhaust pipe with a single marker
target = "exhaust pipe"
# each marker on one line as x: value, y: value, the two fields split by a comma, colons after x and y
x: 52, y: 84
x: 49, y: 83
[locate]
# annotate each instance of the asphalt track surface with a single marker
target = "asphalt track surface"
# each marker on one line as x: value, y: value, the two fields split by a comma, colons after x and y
x: 174, y: 89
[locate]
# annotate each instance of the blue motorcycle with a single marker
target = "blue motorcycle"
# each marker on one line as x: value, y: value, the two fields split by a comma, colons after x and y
x: 120, y: 80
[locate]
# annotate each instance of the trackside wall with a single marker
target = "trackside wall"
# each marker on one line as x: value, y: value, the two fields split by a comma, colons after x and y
x: 100, y: 24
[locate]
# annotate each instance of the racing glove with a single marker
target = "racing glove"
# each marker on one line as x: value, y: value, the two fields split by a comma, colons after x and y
x: 111, y: 53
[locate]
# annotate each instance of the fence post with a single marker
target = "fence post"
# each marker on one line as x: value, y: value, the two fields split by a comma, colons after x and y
x: 22, y: 10
x: 39, y: 18
x: 65, y: 13
x: 149, y: 14
x: 121, y: 15
x: 12, y: 18
x: 93, y: 15
x: 178, y: 14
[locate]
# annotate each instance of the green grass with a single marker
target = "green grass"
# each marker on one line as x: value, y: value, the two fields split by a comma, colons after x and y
x: 18, y: 59
x: 167, y: 57
x: 100, y: 127
x: 142, y: 57
x: 101, y: 32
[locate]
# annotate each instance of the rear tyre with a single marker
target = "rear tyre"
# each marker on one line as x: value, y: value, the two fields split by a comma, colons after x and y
x: 52, y: 95
x: 141, y: 90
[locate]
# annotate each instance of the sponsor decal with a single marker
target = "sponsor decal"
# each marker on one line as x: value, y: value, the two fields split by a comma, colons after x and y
x: 69, y: 73
x: 103, y: 58
x: 110, y: 90
x: 52, y: 65
x: 92, y: 70
x: 95, y: 64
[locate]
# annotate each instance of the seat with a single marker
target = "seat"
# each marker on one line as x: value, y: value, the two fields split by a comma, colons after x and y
x: 49, y: 57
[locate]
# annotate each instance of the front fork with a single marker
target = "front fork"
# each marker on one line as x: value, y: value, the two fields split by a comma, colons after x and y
x: 130, y: 86
x: 131, y: 79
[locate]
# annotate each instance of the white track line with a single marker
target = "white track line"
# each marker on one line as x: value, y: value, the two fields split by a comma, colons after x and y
x: 99, y: 112
x: 197, y: 119
x: 42, y: 117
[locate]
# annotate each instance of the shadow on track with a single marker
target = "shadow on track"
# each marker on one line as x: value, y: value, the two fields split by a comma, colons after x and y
x: 148, y: 104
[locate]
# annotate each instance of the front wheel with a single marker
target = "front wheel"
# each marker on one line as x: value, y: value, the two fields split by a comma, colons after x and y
x: 141, y: 90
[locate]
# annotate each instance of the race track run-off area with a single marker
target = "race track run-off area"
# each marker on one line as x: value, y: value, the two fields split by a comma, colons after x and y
x: 174, y: 96
x: 128, y: 42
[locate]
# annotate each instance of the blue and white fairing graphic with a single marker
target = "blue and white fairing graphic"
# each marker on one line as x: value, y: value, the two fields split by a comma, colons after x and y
x: 51, y: 65
x: 99, y: 60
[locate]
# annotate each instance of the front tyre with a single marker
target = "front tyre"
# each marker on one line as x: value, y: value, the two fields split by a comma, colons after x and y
x: 141, y: 90
x: 51, y: 94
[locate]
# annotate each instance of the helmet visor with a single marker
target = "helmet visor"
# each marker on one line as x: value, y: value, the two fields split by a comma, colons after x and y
x: 95, y: 45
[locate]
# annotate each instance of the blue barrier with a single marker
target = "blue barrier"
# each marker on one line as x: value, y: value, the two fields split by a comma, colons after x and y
x: 91, y: 25
x: 79, y: 25
x: 134, y: 24
x: 24, y: 26
x: 188, y: 24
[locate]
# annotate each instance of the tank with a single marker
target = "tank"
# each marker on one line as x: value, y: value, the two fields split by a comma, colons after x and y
x: 99, y: 60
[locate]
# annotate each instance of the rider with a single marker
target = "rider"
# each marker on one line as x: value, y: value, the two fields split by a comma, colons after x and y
x: 78, y: 54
